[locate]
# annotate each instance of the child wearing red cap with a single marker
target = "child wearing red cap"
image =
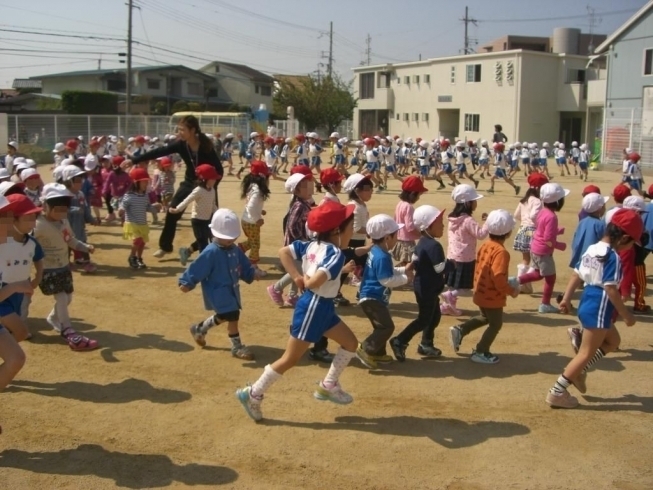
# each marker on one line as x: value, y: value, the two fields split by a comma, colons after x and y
x: 315, y: 314
x: 331, y: 181
x: 255, y: 189
x: 527, y: 210
x: 411, y: 190
x: 600, y: 304
x: 134, y: 207
x: 115, y: 187
x: 620, y: 193
x: 204, y: 205
x: 163, y: 182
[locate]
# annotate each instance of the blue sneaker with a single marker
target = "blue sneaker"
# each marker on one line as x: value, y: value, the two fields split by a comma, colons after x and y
x: 251, y: 405
x: 184, y: 255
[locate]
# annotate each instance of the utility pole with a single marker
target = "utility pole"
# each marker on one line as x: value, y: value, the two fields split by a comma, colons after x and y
x: 128, y: 88
x: 594, y: 20
x: 368, y: 49
x: 330, y: 65
x: 99, y: 63
x: 467, y: 20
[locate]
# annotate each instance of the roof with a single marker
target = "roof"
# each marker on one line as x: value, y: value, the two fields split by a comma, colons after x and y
x: 112, y: 71
x: 627, y: 25
x: 251, y: 73
x: 26, y: 97
x: 26, y: 83
x: 291, y: 79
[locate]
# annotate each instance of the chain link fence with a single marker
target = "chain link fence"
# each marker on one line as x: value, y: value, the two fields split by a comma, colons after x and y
x: 289, y: 128
x: 627, y: 128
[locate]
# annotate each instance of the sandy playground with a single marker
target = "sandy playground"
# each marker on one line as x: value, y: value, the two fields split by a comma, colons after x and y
x: 149, y: 409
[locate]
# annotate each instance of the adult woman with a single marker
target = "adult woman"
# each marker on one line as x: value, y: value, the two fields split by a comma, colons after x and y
x: 498, y: 136
x: 195, y: 148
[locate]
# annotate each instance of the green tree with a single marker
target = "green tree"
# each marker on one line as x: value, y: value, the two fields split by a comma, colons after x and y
x: 160, y: 108
x: 45, y: 104
x: 195, y: 106
x: 180, y: 106
x: 318, y: 102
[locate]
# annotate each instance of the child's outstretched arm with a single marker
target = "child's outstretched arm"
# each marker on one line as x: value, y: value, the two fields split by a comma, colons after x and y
x: 573, y: 284
x: 198, y: 270
x: 287, y: 256
x: 184, y: 204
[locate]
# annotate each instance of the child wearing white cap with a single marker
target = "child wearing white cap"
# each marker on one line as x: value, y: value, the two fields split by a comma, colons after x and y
x: 430, y: 276
x: 379, y: 277
x: 79, y: 213
x: 590, y: 229
x: 219, y: 268
x: 33, y: 183
x: 7, y: 161
x: 491, y: 288
x: 59, y: 152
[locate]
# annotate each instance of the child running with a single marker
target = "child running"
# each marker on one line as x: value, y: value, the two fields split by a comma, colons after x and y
x: 219, y: 268
x: 314, y: 314
x: 600, y: 304
x: 491, y: 288
x: 204, y: 205
x: 256, y: 190
x: 411, y: 189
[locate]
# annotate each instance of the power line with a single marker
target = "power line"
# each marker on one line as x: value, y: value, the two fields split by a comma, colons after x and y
x: 140, y: 13
x: 566, y: 17
x: 467, y: 20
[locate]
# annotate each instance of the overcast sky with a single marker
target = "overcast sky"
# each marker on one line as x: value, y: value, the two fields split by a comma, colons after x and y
x: 274, y: 36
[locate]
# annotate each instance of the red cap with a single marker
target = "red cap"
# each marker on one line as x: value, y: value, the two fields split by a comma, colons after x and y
x: 259, y: 168
x: 499, y: 146
x: 207, y: 172
x: 117, y: 161
x: 300, y: 137
x: 269, y: 141
x: 139, y: 139
x: 94, y: 142
x: 630, y: 222
x: 301, y: 169
x: 330, y: 176
x: 328, y: 216
x: 138, y: 174
x: 537, y: 180
x: 650, y: 190
x: 413, y: 184
x: 418, y: 139
x: 634, y: 157
x: 72, y: 144
x: 591, y: 189
x: 621, y: 192
x: 165, y: 162
x: 21, y: 205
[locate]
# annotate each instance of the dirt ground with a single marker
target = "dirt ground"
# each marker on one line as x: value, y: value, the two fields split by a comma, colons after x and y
x: 151, y: 410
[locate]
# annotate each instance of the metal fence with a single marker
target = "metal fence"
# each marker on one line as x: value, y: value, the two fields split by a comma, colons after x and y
x: 290, y: 127
x: 627, y: 128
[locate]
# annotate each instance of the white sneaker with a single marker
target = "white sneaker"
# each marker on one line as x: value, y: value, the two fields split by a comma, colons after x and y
x: 251, y: 405
x: 160, y: 253
x: 547, y: 309
x: 455, y: 338
x: 335, y: 394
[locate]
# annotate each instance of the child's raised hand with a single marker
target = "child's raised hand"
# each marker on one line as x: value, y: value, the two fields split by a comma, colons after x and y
x: 173, y: 210
x: 183, y: 288
x: 349, y: 267
x: 484, y: 216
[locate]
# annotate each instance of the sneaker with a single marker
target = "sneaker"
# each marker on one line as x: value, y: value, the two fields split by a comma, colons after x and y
x: 484, y: 358
x: 184, y: 255
x: 133, y: 262
x: 89, y: 267
x: 643, y: 309
x: 381, y: 359
x: 526, y: 288
x: 491, y: 191
x: 275, y: 296
x: 141, y: 264
x: 581, y: 382
x: 242, y: 352
x: 198, y: 336
x: 517, y: 189
x: 428, y: 351
x: 251, y: 404
x: 442, y: 186
x: 576, y: 337
x: 476, y: 182
x: 160, y: 254
x: 455, y: 338
x: 445, y: 309
x: 291, y: 301
x: 321, y: 355
x: 334, y: 394
x: 398, y: 349
x: 340, y: 300
x: 547, y: 309
x: 562, y: 400
x: 365, y: 358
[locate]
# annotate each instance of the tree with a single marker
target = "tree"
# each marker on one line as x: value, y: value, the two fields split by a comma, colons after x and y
x: 45, y: 104
x: 180, y: 106
x: 80, y: 102
x: 195, y: 106
x: 160, y: 108
x: 318, y: 102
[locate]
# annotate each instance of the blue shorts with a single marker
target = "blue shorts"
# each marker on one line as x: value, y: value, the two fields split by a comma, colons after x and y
x: 446, y: 168
x: 483, y: 162
x: 11, y: 305
x: 339, y: 159
x: 241, y: 154
x: 535, y: 162
x: 303, y: 162
x: 461, y: 168
x: 635, y: 184
x: 561, y: 161
x: 249, y: 156
x: 595, y: 311
x: 316, y: 161
x: 313, y: 316
x: 514, y: 164
x: 284, y: 159
x: 401, y: 160
x: 424, y: 170
x: 390, y: 168
x: 574, y: 159
x: 526, y: 161
x: 582, y: 165
x: 544, y: 161
x: 373, y: 166
x: 354, y: 161
x: 226, y: 156
x: 500, y: 173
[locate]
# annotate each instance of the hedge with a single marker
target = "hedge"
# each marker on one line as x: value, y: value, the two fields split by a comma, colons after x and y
x: 78, y: 102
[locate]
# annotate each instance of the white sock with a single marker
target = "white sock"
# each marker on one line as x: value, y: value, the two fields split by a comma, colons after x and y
x: 521, y: 269
x: 338, y: 365
x: 267, y: 379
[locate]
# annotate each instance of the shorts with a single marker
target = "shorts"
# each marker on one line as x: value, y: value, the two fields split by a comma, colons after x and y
x: 131, y: 231
x: 500, y: 173
x: 461, y: 168
x: 561, y: 161
x: 582, y: 165
x: 313, y: 316
x: 226, y: 156
x: 403, y: 251
x: 523, y: 239
x: 373, y: 166
x: 354, y: 161
x: 526, y: 161
x: 462, y: 277
x: 284, y: 160
x: 635, y: 184
x: 483, y: 162
x: 424, y: 170
x: 446, y: 168
x: 303, y: 162
x: 595, y: 310
x: 543, y: 161
x: 535, y: 162
x: 514, y: 164
x: 339, y: 159
x: 401, y: 160
x: 57, y: 281
x: 230, y: 316
x: 544, y: 264
x: 316, y: 161
x: 390, y: 169
x: 574, y: 159
x: 12, y: 304
x: 242, y: 154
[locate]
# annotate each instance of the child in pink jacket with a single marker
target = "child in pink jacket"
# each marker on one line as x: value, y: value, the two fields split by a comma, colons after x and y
x: 544, y: 242
x: 463, y: 234
x: 411, y: 190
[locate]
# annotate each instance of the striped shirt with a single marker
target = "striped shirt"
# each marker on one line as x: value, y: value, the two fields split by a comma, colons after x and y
x: 204, y: 204
x: 136, y: 207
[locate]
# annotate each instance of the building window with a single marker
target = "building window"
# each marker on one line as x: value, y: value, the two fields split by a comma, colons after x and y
x: 473, y: 73
x: 453, y: 74
x: 153, y: 84
x: 217, y: 68
x: 472, y: 122
x: 398, y: 80
x: 383, y: 80
x: 406, y: 117
x: 407, y: 80
x: 398, y: 116
x: 427, y: 78
x: 367, y: 86
x: 425, y: 116
x: 415, y: 116
x: 266, y: 90
x: 116, y: 85
x: 416, y: 79
x: 195, y: 89
x: 212, y: 92
x: 648, y: 61
x: 575, y: 75
x: 257, y: 89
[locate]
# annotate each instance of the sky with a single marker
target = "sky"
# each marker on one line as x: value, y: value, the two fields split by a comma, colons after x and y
x: 274, y: 36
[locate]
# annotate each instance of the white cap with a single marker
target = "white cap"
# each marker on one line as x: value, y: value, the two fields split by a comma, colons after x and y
x: 173, y: 137
x: 5, y: 186
x: 288, y: 140
x: 381, y: 225
x: 552, y: 193
x: 59, y: 147
x: 80, y: 138
x: 460, y: 143
x: 293, y: 181
x: 21, y: 166
x: 131, y: 139
x: 113, y: 139
x: 545, y: 145
x: 253, y: 134
x: 13, y: 144
x: 424, y: 144
x: 18, y: 160
x: 57, y: 173
x: 627, y: 150
x: 425, y: 215
x: 155, y: 140
x: 583, y: 147
x: 399, y: 141
x: 465, y: 193
x: 334, y: 135
x: 634, y: 202
x: 352, y: 181
x: 225, y: 224
x: 90, y: 162
x: 50, y: 191
x: 592, y: 202
x: 574, y: 143
x: 500, y: 222
x: 27, y: 173
x: 67, y: 161
x: 4, y: 174
x: 147, y: 138
x: 69, y: 172
x: 30, y: 163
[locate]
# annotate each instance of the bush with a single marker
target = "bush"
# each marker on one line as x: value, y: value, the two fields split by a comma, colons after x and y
x: 36, y: 153
x: 78, y: 102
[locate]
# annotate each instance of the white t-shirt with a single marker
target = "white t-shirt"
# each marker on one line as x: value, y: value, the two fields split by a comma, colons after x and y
x: 361, y: 216
x: 254, y: 206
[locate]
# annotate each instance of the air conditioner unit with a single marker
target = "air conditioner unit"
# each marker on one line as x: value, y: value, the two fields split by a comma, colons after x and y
x: 425, y: 116
x: 415, y: 116
x: 427, y: 78
x: 407, y: 80
x: 415, y: 78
